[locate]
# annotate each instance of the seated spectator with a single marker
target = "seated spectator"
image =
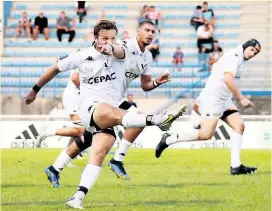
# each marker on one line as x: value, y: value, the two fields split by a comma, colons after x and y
x: 154, y: 48
x: 24, y: 24
x: 216, y: 53
x: 143, y: 14
x: 204, y: 43
x: 63, y: 27
x: 130, y: 100
x: 125, y: 35
x: 208, y: 13
x: 81, y: 10
x: 154, y: 15
x: 178, y: 58
x: 41, y: 26
x: 197, y: 19
x: 205, y: 37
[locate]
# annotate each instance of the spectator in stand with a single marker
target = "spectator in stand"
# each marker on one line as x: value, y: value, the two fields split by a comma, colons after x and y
x: 216, y: 53
x: 143, y: 14
x: 178, y: 58
x: 125, y: 35
x: 24, y: 24
x: 197, y: 19
x: 130, y: 100
x: 155, y: 16
x: 208, y: 13
x: 204, y: 43
x: 63, y: 27
x: 41, y: 26
x: 81, y: 10
x: 154, y: 48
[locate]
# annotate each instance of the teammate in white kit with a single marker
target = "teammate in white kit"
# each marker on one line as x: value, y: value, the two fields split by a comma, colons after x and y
x: 214, y: 103
x: 101, y: 73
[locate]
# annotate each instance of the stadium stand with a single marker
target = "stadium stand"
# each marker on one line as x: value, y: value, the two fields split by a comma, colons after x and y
x: 24, y: 61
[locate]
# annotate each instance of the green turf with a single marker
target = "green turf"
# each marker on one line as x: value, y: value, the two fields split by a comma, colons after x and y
x: 179, y: 180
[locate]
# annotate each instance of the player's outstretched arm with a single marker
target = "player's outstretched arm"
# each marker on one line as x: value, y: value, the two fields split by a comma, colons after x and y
x: 232, y: 86
x: 47, y: 76
x: 148, y: 84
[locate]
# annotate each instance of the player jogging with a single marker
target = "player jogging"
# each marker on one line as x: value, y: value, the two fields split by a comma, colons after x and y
x: 214, y: 103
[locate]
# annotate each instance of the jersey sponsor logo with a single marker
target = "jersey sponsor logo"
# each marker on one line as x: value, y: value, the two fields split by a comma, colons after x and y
x: 89, y: 58
x: 143, y: 66
x: 106, y: 63
x: 131, y: 75
x: 63, y: 57
x: 99, y: 79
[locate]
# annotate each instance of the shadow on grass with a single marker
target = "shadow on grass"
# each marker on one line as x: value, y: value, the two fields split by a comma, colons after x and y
x: 179, y: 185
x: 156, y: 203
x: 27, y: 203
x: 34, y: 186
x: 113, y: 204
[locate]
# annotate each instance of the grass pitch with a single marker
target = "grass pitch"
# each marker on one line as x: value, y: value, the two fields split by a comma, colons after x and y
x: 179, y: 180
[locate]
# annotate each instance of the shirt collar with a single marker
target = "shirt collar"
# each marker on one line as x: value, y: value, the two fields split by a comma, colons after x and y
x: 138, y: 47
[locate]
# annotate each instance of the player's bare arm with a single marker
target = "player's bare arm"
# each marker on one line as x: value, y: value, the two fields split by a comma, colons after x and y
x: 47, y: 76
x: 148, y: 84
x: 230, y: 82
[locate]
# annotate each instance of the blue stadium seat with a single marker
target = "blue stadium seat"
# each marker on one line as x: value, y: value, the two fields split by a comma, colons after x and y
x: 57, y: 7
x: 79, y: 26
x: 115, y: 7
x: 219, y: 16
x: 170, y: 65
x: 21, y: 7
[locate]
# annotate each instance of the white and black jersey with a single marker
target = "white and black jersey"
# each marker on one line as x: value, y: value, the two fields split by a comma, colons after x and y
x: 101, y: 76
x: 137, y: 62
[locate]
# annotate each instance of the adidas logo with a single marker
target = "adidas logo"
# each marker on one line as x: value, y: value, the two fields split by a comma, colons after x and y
x: 90, y: 58
x: 224, y: 134
x: 26, y: 138
x: 26, y: 133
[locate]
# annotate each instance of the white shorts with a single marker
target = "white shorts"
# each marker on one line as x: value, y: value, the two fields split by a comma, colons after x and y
x: 215, y: 109
x: 87, y: 107
x: 70, y: 102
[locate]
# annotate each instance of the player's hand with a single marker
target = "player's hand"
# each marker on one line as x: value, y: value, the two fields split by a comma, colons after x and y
x: 105, y: 49
x: 163, y: 78
x: 30, y: 97
x: 66, y: 29
x: 246, y: 103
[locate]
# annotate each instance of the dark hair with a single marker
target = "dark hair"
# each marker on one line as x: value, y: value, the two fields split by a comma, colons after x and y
x: 205, y: 2
x: 198, y: 7
x: 106, y: 25
x: 146, y: 22
x: 152, y: 6
x: 215, y: 41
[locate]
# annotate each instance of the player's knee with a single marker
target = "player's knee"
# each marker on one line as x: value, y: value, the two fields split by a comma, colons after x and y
x: 205, y: 136
x: 239, y: 127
